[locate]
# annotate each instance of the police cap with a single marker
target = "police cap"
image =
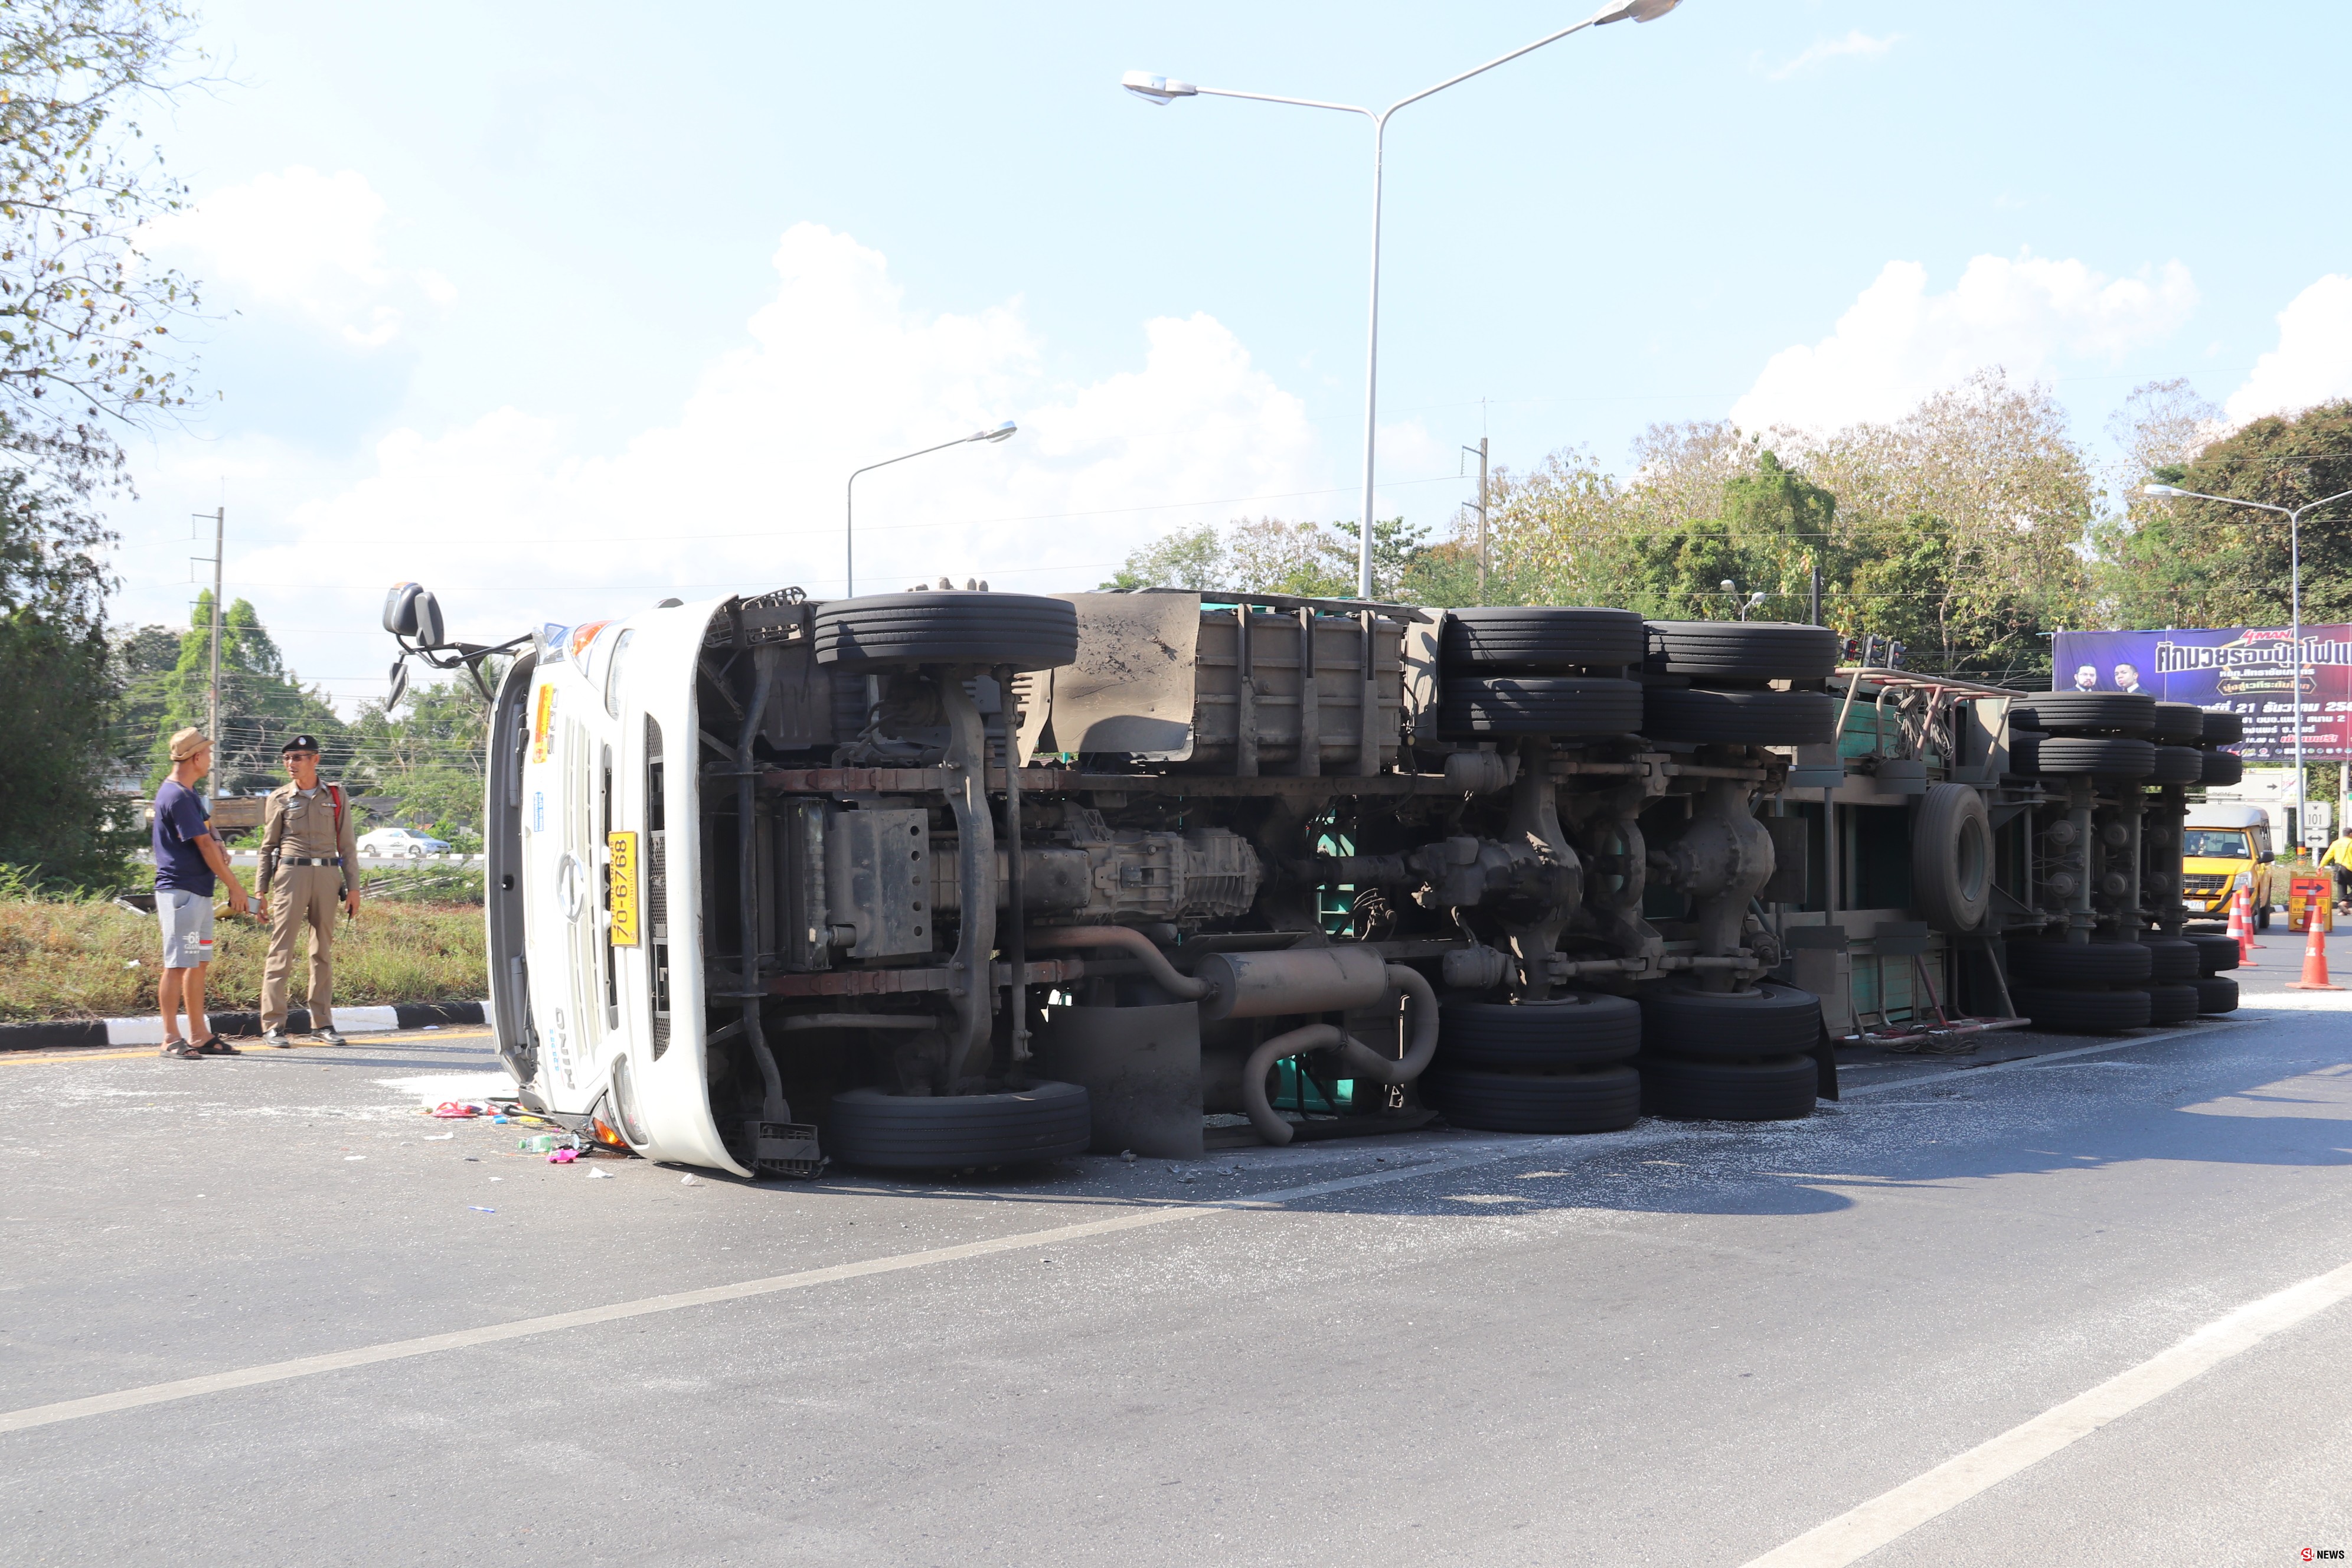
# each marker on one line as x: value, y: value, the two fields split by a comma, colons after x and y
x: 300, y: 743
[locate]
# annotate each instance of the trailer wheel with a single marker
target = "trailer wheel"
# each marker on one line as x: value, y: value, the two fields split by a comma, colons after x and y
x: 2177, y: 765
x: 1588, y: 1099
x: 2177, y: 724
x: 2224, y: 730
x: 1539, y: 705
x: 1740, y: 717
x: 1565, y: 1032
x: 2214, y: 953
x: 2102, y: 757
x: 913, y: 1133
x: 1741, y: 650
x: 2174, y: 960
x: 1027, y: 631
x: 2070, y: 964
x: 2086, y: 713
x: 2173, y: 1004
x: 2080, y: 1012
x: 2217, y: 994
x: 2025, y: 751
x: 1781, y: 1089
x: 1545, y: 637
x: 2222, y: 768
x: 1765, y: 1020
x: 1951, y: 857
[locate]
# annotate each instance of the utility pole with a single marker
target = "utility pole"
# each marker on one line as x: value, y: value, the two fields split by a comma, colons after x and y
x: 1481, y: 449
x: 1817, y: 590
x: 212, y: 707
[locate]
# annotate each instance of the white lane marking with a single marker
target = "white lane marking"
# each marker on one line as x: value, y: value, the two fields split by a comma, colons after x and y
x: 429, y: 1345
x: 1860, y: 1532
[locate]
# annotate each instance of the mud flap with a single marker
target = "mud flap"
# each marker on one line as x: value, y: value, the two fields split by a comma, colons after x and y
x: 1825, y: 1066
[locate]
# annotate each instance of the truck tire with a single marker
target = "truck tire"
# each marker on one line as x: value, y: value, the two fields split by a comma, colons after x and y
x: 1528, y: 1036
x: 2025, y: 751
x: 2224, y: 730
x: 2094, y: 963
x: 1027, y: 631
x: 1741, y: 650
x: 2086, y: 713
x: 2217, y: 994
x: 1766, y: 1020
x: 2173, y: 960
x: 2172, y: 1003
x: 1951, y: 858
x: 2080, y: 1012
x: 1538, y: 705
x: 2224, y: 768
x: 1740, y: 717
x: 1588, y: 1099
x: 1544, y: 637
x: 2177, y: 765
x: 2214, y: 953
x: 1781, y: 1089
x: 916, y: 1132
x: 2104, y: 757
x: 2177, y: 724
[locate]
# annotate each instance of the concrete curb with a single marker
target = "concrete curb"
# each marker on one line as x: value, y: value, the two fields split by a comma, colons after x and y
x: 149, y: 1030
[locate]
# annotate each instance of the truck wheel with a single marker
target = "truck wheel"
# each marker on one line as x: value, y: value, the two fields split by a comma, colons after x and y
x: 1590, y: 1100
x: 2086, y: 713
x: 2177, y: 765
x: 2173, y: 960
x: 2103, y: 757
x: 1027, y: 631
x: 2080, y: 1012
x: 1548, y: 637
x: 2222, y: 768
x: 1951, y: 858
x: 1538, y: 705
x: 2214, y: 953
x: 1741, y: 650
x: 915, y: 1132
x: 2217, y: 994
x: 1765, y: 1020
x: 1740, y: 717
x: 2172, y: 1003
x: 2025, y: 751
x: 1781, y: 1089
x: 2263, y: 915
x: 2224, y: 730
x: 1565, y: 1032
x: 2177, y: 724
x: 2073, y: 963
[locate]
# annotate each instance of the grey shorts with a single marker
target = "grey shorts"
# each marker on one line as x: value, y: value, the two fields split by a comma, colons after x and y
x: 187, y: 920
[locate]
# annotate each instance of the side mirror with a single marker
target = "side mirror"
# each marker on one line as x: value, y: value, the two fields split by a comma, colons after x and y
x: 2264, y: 858
x: 410, y: 610
x: 399, y: 684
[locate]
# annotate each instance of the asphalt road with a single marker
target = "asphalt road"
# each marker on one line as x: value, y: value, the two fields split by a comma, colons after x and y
x: 1681, y: 1343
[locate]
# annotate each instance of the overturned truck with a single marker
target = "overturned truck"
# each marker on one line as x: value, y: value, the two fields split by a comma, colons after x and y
x: 763, y: 891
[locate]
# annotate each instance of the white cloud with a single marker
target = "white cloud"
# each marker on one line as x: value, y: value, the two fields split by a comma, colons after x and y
x: 743, y: 487
x: 305, y: 242
x: 2313, y: 362
x: 1856, y: 43
x: 1897, y: 341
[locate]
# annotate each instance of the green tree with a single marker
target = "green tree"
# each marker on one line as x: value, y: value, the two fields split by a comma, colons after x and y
x: 262, y: 704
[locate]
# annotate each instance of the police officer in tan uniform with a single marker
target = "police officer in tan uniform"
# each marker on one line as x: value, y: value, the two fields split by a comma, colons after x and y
x: 310, y: 863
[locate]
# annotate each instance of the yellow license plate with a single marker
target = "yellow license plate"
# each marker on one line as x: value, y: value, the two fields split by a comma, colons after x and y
x: 623, y: 896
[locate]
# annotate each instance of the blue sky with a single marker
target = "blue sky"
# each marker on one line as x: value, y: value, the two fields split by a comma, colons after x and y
x: 562, y: 309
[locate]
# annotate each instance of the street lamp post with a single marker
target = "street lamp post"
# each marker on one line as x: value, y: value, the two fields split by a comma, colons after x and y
x: 1162, y: 90
x: 1003, y: 432
x: 2293, y: 516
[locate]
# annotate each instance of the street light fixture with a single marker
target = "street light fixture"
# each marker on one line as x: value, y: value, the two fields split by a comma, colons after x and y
x: 2293, y: 516
x: 1161, y: 91
x: 1003, y: 432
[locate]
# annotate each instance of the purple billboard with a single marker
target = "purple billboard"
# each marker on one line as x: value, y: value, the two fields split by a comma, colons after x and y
x: 2248, y: 671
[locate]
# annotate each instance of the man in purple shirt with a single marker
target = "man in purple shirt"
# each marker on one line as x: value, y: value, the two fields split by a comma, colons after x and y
x: 188, y: 857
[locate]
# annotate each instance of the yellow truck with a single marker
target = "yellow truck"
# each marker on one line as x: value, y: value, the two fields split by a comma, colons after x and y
x: 2219, y: 844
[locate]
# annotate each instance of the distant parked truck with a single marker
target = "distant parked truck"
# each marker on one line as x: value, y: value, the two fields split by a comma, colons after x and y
x: 762, y: 891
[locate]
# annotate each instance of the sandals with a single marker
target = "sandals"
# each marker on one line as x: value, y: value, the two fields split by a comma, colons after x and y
x: 182, y: 1049
x: 216, y: 1046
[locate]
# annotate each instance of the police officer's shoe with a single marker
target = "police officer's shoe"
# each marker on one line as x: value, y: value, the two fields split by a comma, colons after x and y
x: 276, y: 1037
x: 327, y: 1037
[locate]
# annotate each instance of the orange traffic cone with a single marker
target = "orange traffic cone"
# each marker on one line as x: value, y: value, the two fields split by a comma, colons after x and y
x: 2241, y: 926
x: 2314, y: 956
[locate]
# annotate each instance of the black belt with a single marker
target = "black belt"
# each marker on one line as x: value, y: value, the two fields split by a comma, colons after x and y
x: 309, y: 860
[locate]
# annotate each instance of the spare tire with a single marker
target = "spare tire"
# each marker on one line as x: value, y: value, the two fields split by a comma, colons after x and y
x: 2177, y: 765
x: 1740, y: 717
x: 2080, y: 1012
x: 2086, y: 713
x: 2224, y: 768
x: 1543, y: 637
x: 1741, y: 650
x: 2080, y: 963
x: 1027, y: 631
x: 2216, y: 993
x: 2025, y: 751
x: 1591, y: 1100
x: 2172, y: 1003
x: 1565, y: 1032
x: 916, y: 1132
x: 1538, y: 705
x: 1780, y: 1089
x: 2214, y: 953
x: 1951, y: 858
x: 1765, y: 1020
x: 2179, y: 724
x: 2102, y: 758
x: 2173, y: 960
x: 2224, y: 730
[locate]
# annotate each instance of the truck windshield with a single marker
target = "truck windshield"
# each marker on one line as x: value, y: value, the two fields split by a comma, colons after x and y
x: 2215, y: 843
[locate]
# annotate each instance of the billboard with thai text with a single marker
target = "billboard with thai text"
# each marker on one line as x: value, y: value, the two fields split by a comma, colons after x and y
x: 2251, y: 672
